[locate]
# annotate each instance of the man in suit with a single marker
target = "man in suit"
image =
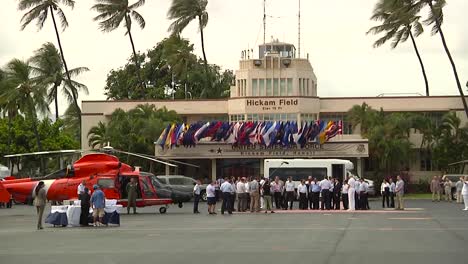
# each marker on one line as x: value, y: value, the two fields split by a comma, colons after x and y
x: 337, y: 194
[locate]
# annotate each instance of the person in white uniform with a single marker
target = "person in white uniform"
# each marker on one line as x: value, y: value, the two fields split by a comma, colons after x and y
x: 262, y: 201
x: 464, y: 192
x: 351, y: 193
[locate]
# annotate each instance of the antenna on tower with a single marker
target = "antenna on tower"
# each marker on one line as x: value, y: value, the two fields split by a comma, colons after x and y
x: 264, y: 21
x: 299, y: 30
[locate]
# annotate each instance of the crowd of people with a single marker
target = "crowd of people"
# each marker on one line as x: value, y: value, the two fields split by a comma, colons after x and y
x: 445, y: 189
x: 253, y: 194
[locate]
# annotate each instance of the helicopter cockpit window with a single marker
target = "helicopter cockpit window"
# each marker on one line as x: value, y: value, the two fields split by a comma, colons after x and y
x: 146, y: 187
x: 106, y: 183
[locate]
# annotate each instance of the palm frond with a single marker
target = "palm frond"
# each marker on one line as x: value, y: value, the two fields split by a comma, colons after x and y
x: 140, y: 20
x: 32, y: 14
x: 63, y: 18
x: 136, y: 5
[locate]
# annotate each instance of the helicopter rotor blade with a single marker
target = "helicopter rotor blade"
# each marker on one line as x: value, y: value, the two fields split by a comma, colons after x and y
x: 144, y: 157
x: 173, y: 161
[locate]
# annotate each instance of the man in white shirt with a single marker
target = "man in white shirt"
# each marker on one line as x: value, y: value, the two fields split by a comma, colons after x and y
x: 211, y: 196
x: 247, y: 193
x: 289, y: 185
x: 357, y: 186
x: 302, y: 195
x: 363, y: 188
x: 262, y: 201
x: 325, y: 185
x: 392, y: 193
x: 254, y: 196
x: 196, y: 197
x: 81, y: 187
x: 226, y: 190
x: 241, y: 196
x: 277, y: 187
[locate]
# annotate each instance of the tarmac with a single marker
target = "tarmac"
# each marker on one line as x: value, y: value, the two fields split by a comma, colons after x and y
x: 425, y: 232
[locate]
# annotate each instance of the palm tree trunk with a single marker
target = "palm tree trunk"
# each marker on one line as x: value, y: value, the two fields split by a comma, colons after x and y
x: 137, y: 63
x: 56, y: 102
x: 10, y: 123
x: 204, y: 93
x: 421, y: 63
x: 75, y: 96
x: 441, y: 33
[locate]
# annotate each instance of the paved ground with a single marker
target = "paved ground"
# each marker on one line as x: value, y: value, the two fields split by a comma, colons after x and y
x: 428, y: 233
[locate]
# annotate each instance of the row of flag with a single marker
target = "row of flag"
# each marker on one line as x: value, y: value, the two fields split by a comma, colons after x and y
x: 266, y: 133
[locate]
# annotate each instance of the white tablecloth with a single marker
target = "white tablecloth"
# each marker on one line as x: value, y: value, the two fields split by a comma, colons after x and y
x: 74, y: 211
x: 58, y: 208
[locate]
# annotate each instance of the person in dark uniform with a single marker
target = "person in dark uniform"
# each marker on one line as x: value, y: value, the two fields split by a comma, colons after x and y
x: 132, y: 191
x: 337, y: 194
x: 85, y: 204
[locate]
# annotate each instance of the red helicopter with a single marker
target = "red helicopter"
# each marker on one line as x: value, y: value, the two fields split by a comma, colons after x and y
x: 104, y: 170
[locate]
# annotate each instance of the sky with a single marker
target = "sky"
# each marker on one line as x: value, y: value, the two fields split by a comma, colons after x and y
x: 333, y: 33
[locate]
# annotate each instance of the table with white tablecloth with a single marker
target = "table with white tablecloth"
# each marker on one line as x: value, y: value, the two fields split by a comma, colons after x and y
x: 70, y: 214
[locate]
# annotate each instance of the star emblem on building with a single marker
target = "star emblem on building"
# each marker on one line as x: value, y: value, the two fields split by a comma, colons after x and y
x: 219, y: 151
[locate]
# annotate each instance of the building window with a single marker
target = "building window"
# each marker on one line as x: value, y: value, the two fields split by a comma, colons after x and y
x: 238, y: 88
x: 268, y: 87
x: 261, y: 87
x: 275, y: 87
x: 283, y: 87
x: 290, y: 86
x: 300, y: 86
x: 307, y: 87
x: 254, y: 87
x: 245, y: 87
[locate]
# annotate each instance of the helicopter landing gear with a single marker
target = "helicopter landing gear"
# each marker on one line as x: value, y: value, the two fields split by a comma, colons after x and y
x: 162, y: 210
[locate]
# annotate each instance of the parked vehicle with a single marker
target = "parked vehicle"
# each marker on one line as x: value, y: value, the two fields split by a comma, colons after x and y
x: 182, y: 183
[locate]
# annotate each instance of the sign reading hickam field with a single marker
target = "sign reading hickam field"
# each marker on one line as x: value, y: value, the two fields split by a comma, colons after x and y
x: 276, y: 104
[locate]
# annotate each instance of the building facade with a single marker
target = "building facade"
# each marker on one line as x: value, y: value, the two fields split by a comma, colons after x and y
x: 277, y: 86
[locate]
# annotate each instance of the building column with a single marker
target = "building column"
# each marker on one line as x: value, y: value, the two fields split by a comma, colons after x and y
x: 360, y: 169
x: 168, y: 170
x: 213, y: 169
x: 262, y: 172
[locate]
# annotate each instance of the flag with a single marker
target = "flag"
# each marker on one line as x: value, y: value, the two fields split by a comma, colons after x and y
x: 162, y: 138
x: 332, y: 131
x: 169, y: 135
x: 323, y: 134
x: 267, y: 137
x: 199, y: 134
x: 340, y: 127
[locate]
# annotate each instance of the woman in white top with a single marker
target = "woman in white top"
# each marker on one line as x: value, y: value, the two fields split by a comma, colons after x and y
x: 385, y: 191
x: 465, y: 192
x: 351, y: 193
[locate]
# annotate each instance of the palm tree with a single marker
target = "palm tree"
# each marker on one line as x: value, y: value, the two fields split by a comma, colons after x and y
x: 399, y: 20
x: 39, y: 10
x: 49, y: 70
x: 98, y: 135
x: 362, y: 115
x: 23, y: 92
x: 436, y: 18
x: 111, y: 15
x: 183, y: 12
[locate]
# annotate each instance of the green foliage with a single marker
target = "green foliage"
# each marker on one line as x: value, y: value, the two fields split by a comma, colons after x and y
x: 172, y: 57
x: 49, y: 70
x: 23, y: 140
x: 388, y: 134
x: 39, y: 10
x: 133, y: 131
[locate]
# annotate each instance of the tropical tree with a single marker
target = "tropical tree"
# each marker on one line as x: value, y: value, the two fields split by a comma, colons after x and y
x: 48, y: 67
x: 70, y: 122
x: 436, y: 18
x: 400, y: 21
x: 185, y: 11
x: 39, y: 10
x: 111, y: 15
x: 98, y: 135
x: 361, y: 115
x: 23, y: 92
x: 134, y: 130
